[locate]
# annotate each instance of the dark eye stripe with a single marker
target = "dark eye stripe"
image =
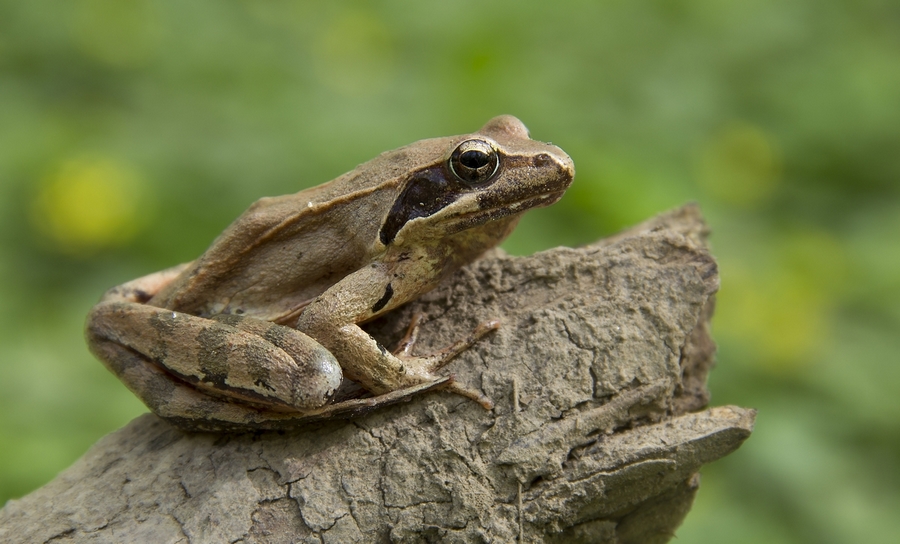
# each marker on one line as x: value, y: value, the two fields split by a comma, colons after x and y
x: 424, y: 195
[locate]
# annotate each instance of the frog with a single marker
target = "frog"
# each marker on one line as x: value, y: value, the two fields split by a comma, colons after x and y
x: 264, y: 330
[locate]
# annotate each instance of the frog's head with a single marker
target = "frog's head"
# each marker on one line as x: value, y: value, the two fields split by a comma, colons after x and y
x: 482, y: 184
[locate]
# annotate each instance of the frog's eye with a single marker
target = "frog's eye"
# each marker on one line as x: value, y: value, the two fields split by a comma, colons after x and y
x: 474, y: 161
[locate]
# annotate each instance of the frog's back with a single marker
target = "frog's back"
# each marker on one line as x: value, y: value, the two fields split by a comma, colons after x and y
x: 284, y: 251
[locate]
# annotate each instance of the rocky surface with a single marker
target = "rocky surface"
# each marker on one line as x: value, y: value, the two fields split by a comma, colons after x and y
x: 598, y: 376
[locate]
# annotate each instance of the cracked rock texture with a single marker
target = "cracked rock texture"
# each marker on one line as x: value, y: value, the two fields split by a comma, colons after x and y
x: 598, y: 374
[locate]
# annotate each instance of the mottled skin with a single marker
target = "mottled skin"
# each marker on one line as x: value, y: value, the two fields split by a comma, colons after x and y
x: 262, y: 329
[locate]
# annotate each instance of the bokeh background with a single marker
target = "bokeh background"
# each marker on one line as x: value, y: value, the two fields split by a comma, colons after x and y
x: 131, y: 133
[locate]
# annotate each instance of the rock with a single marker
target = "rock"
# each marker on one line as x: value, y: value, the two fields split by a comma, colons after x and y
x: 598, y: 374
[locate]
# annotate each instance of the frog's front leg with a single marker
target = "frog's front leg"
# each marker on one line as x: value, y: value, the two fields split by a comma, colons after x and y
x: 187, y: 366
x: 332, y: 320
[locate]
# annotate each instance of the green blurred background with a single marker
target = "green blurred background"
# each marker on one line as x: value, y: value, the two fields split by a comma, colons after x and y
x: 132, y: 132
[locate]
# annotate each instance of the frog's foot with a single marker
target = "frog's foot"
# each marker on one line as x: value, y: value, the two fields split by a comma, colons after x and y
x: 455, y: 387
x: 404, y: 347
x: 440, y: 359
x: 434, y: 362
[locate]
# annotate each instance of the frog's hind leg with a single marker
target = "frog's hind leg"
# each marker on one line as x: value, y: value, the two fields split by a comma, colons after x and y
x: 161, y: 354
x: 169, y: 399
x: 193, y: 410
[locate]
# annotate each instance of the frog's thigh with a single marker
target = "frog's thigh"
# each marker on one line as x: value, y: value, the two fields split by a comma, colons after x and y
x: 171, y: 399
x: 268, y: 366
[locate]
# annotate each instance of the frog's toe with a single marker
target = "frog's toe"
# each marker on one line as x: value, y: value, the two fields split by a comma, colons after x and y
x: 454, y: 386
x: 440, y: 359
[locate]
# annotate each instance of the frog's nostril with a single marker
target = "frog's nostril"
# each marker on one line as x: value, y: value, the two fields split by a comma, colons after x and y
x: 542, y: 159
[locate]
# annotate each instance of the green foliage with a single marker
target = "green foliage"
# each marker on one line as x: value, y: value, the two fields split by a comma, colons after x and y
x: 132, y: 132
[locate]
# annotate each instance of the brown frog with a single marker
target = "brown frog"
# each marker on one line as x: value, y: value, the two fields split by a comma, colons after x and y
x: 263, y: 328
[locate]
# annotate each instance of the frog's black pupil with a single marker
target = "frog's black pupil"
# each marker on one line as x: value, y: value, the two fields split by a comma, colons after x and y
x: 474, y: 159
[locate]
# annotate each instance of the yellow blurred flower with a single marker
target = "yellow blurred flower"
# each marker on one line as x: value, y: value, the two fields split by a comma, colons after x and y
x: 779, y: 303
x: 89, y: 204
x: 740, y: 165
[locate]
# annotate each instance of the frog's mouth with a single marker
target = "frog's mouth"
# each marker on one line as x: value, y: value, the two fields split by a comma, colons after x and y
x: 477, y: 218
